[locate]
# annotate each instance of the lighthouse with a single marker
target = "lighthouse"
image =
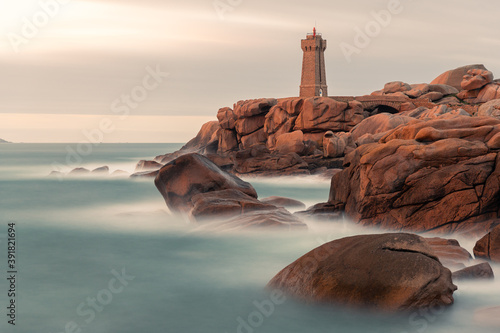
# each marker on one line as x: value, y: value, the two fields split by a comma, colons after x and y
x: 313, y: 81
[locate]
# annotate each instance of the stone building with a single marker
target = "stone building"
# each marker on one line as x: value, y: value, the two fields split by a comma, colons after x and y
x: 313, y: 66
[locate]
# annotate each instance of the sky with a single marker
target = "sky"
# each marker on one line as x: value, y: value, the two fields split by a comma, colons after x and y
x: 158, y: 69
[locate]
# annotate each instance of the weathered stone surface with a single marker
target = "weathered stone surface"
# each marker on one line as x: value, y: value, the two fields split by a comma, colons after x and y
x: 321, y: 114
x: 258, y: 160
x: 476, y: 78
x: 256, y: 138
x: 490, y: 109
x: 488, y: 93
x: 388, y: 272
x: 417, y: 90
x: 228, y: 142
x: 397, y: 86
x: 454, y: 77
x: 427, y: 175
x: 481, y: 271
x: 284, y: 202
x: 440, y: 111
x: 144, y: 165
x: 449, y: 252
x: 488, y: 247
x: 255, y: 107
x: 192, y: 174
x: 246, y: 126
x: 335, y: 144
x: 227, y: 118
x: 432, y: 96
x: 290, y: 143
x: 224, y: 203
x: 444, y: 89
x: 450, y: 100
x: 379, y: 123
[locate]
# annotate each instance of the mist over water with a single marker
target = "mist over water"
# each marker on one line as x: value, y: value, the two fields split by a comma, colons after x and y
x: 76, y: 235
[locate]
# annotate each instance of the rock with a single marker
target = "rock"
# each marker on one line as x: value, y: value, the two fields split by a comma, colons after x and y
x: 440, y: 111
x: 489, y: 317
x: 279, y: 219
x: 490, y: 109
x: 55, y: 173
x: 284, y: 202
x: 439, y: 175
x: 278, y: 122
x: 454, y: 77
x: 228, y: 142
x: 258, y: 160
x: 488, y: 247
x: 225, y: 203
x: 488, y: 93
x: 417, y: 90
x: 101, y: 170
x: 79, y: 172
x: 227, y: 118
x: 290, y: 143
x: 444, y: 89
x: 206, y: 140
x: 476, y: 78
x: 392, y: 272
x: 324, y: 211
x: 335, y: 144
x: 449, y: 252
x: 450, y: 100
x: 119, y: 173
x: 191, y: 174
x: 432, y: 96
x: 145, y: 174
x: 147, y: 166
x: 481, y: 271
x: 379, y: 123
x: 255, y: 107
x: 246, y: 126
x: 321, y: 114
x: 256, y: 138
x: 394, y: 87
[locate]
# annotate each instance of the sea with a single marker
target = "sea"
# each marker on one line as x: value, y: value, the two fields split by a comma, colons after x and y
x: 103, y: 254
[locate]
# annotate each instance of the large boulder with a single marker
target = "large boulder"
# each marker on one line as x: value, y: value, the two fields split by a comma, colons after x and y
x: 476, y: 78
x: 389, y: 272
x: 490, y: 109
x: 191, y: 174
x: 379, y: 123
x: 254, y: 107
x: 290, y: 143
x: 488, y: 247
x: 454, y: 77
x: 321, y: 114
x: 440, y: 175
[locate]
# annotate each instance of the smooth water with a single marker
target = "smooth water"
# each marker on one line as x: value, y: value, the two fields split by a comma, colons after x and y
x: 103, y: 254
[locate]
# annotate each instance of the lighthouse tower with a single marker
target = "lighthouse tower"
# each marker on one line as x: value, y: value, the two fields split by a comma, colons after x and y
x: 313, y: 66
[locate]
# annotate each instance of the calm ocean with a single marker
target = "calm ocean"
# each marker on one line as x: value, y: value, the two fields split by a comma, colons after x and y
x: 103, y: 255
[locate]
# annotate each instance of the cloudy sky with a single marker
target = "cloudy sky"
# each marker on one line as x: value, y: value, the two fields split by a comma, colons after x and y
x: 68, y: 64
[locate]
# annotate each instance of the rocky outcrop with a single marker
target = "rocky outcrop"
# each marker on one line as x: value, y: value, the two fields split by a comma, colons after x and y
x: 390, y: 272
x: 144, y: 165
x: 284, y: 202
x: 454, y: 77
x: 449, y: 252
x: 191, y: 174
x: 195, y: 186
x: 440, y: 175
x: 488, y: 247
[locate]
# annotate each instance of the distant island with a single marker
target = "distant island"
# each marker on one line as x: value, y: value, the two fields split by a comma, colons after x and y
x: 3, y: 141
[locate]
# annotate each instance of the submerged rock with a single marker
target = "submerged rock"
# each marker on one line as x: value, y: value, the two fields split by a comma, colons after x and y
x: 481, y: 271
x: 390, y: 272
x: 191, y: 174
